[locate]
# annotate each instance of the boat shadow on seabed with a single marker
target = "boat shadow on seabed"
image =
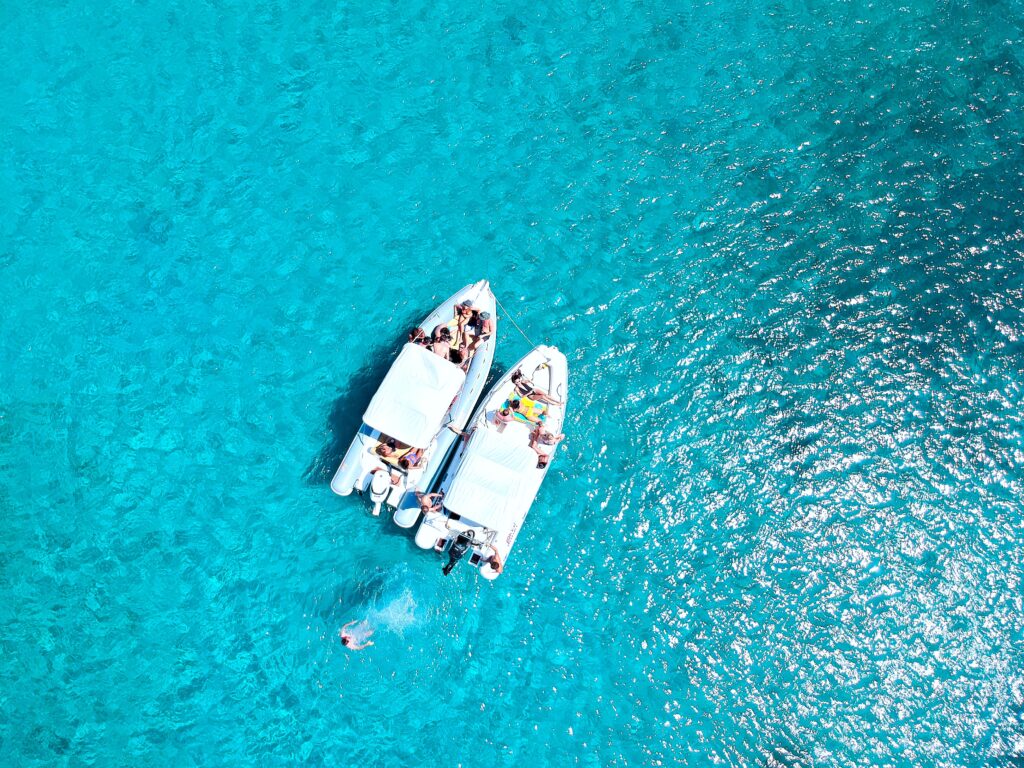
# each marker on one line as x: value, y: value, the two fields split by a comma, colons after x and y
x: 345, y: 418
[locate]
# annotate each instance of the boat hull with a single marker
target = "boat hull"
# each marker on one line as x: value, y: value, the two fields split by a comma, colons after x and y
x: 547, y: 368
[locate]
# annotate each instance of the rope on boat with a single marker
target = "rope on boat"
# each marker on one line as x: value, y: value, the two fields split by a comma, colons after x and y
x: 513, y: 321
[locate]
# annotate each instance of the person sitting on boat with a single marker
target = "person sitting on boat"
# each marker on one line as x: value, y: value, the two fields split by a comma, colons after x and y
x: 429, y: 502
x: 459, y: 432
x: 465, y: 313
x: 484, y: 330
x: 503, y: 416
x: 418, y: 336
x: 356, y: 635
x: 494, y: 561
x: 524, y: 388
x: 543, y: 443
x: 441, y: 342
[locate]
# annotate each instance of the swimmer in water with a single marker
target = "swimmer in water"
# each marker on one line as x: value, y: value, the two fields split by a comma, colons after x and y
x: 356, y: 639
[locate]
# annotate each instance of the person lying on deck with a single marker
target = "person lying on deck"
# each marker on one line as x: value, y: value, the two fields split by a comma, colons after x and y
x: 418, y: 336
x: 530, y: 412
x: 524, y: 388
x: 411, y: 460
x: 541, y: 437
x: 394, y: 452
x: 386, y: 448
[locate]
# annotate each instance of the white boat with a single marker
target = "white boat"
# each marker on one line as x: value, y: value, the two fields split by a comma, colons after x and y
x: 496, y: 471
x: 408, y: 417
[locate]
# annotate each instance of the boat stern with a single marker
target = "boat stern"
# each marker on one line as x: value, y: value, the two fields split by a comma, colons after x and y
x: 354, y: 471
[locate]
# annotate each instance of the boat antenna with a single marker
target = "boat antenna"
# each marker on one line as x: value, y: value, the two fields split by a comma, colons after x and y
x: 513, y: 321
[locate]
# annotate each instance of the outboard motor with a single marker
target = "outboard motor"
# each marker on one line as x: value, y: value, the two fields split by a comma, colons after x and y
x: 458, y: 549
x: 380, y: 486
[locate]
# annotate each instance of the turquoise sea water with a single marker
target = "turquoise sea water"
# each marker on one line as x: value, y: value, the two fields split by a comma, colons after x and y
x: 781, y: 245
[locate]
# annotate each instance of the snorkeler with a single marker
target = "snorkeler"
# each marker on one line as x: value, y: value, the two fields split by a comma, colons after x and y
x: 358, y: 638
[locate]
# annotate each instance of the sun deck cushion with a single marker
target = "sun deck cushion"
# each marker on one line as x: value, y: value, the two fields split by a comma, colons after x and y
x: 497, y: 480
x: 414, y: 397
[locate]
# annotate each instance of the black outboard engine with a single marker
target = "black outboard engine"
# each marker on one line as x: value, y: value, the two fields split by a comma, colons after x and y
x: 458, y: 549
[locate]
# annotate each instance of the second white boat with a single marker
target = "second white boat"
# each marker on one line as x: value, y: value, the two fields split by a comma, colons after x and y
x: 499, y: 465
